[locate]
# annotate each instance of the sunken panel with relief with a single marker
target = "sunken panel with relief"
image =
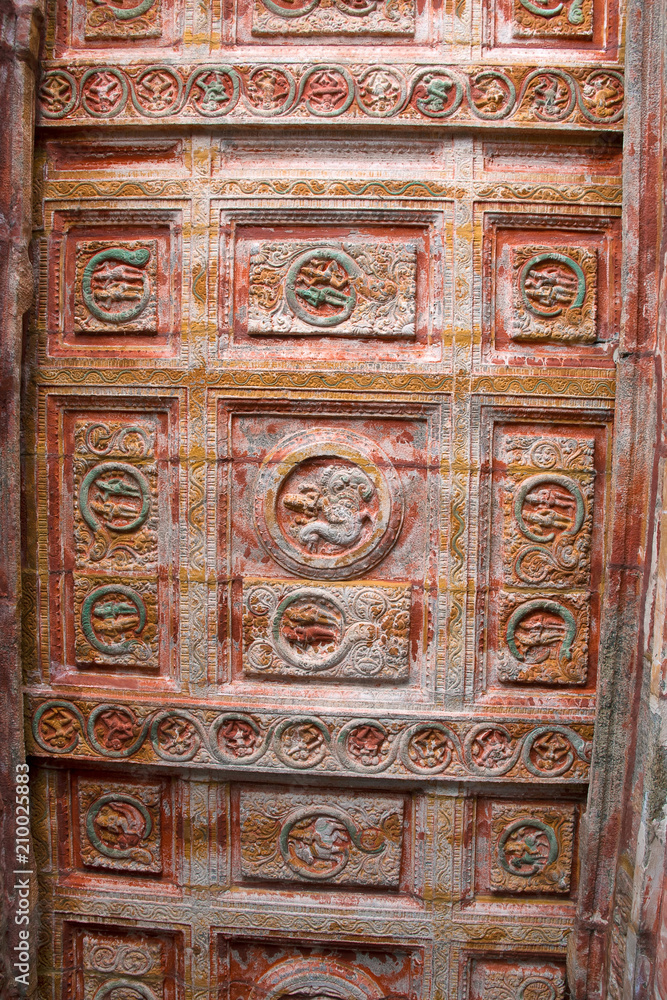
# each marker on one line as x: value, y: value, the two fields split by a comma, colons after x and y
x: 107, y: 963
x: 589, y: 27
x: 345, y: 288
x: 271, y: 967
x: 114, y: 283
x: 525, y: 849
x: 117, y: 826
x: 324, y: 840
x: 112, y: 556
x: 516, y: 978
x: 545, y: 500
x: 551, y: 289
x: 314, y: 495
x: 110, y: 24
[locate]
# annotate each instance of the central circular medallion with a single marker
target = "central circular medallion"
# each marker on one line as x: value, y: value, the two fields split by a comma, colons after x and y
x: 319, y: 288
x: 328, y: 504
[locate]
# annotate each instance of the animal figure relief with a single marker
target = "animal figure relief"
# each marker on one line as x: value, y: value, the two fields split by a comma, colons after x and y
x: 332, y: 510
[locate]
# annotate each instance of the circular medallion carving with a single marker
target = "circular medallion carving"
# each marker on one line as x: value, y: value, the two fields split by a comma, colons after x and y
x: 316, y: 843
x: 551, y: 282
x: 115, y: 289
x: 318, y: 286
x: 526, y: 847
x: 116, y: 825
x: 328, y: 504
x: 112, y: 617
x: 115, y: 495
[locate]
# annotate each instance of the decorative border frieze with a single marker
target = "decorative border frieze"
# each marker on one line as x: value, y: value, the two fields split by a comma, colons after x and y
x: 584, y: 97
x: 260, y: 741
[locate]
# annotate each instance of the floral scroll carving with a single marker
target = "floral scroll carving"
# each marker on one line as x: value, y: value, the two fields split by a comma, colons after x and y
x: 345, y: 290
x: 343, y: 839
x: 355, y: 632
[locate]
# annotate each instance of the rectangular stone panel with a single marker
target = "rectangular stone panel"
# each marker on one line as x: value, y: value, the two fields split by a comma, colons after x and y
x: 112, y: 541
x: 322, y: 839
x: 274, y: 965
x: 325, y: 286
x: 102, y: 960
x: 86, y: 24
x: 551, y: 288
x: 525, y: 848
x: 321, y: 631
x: 123, y: 827
x: 309, y: 491
x: 542, y: 552
x: 521, y: 977
x: 114, y: 282
x: 384, y: 17
x: 589, y: 27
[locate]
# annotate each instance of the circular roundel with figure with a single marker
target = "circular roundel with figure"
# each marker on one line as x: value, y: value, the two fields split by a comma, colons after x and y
x: 328, y: 504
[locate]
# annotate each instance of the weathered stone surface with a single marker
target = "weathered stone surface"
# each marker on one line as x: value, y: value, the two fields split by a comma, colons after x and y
x: 334, y: 524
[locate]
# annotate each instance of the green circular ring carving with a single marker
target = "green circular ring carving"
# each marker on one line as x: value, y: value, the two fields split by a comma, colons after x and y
x: 351, y: 268
x: 567, y: 484
x: 270, y: 112
x: 127, y: 984
x: 562, y: 258
x: 422, y: 102
x: 96, y: 807
x: 585, y: 110
x: 127, y: 13
x: 116, y: 648
x: 368, y: 8
x: 99, y: 470
x: 542, y: 605
x: 512, y: 828
x: 283, y: 12
x: 69, y: 105
x: 76, y: 738
x: 218, y: 112
x: 493, y: 74
x: 123, y: 97
x: 333, y: 112
x: 332, y: 812
x: 135, y: 258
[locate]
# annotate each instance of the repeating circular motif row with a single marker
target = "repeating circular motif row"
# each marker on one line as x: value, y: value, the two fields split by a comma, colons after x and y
x: 328, y: 91
x: 365, y: 746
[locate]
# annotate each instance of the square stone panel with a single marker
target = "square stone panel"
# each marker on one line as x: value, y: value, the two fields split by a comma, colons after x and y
x: 587, y: 26
x: 87, y: 24
x: 551, y: 288
x: 101, y: 960
x: 323, y: 839
x: 114, y: 283
x: 123, y: 826
x: 273, y: 18
x: 525, y: 848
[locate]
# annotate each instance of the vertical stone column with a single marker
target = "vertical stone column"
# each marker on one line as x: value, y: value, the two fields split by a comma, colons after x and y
x: 19, y: 46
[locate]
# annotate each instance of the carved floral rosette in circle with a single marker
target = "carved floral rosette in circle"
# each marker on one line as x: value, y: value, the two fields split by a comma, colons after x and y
x: 176, y: 735
x: 428, y: 748
x: 366, y: 746
x: 490, y: 749
x: 328, y: 504
x: 301, y: 742
x: 237, y: 739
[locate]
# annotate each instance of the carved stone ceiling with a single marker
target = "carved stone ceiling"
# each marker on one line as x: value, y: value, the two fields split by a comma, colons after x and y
x: 318, y: 429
